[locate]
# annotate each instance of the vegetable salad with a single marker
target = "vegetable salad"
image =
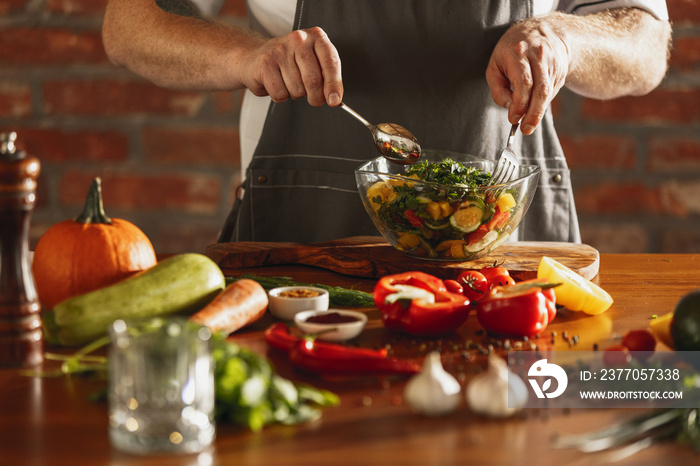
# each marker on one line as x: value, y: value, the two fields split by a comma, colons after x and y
x: 448, y: 215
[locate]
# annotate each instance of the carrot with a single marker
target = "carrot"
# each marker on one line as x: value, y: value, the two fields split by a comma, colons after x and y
x: 241, y: 303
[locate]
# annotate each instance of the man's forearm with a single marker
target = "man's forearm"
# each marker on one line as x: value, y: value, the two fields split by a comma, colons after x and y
x: 614, y: 53
x: 172, y: 50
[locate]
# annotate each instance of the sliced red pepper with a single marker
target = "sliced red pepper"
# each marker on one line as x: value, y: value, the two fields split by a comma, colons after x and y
x: 477, y: 235
x: 413, y: 219
x: 498, y: 221
x: 522, y: 309
x: 405, y: 303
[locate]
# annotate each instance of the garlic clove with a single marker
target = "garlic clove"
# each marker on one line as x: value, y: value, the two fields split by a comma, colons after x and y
x: 489, y: 393
x: 433, y: 391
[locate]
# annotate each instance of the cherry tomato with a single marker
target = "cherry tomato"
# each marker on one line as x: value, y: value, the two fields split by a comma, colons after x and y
x: 493, y: 270
x: 500, y: 280
x: 474, y: 284
x: 453, y: 286
x: 616, y: 356
x: 641, y: 342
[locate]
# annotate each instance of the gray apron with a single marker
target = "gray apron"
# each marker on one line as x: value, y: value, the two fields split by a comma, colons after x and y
x: 418, y: 63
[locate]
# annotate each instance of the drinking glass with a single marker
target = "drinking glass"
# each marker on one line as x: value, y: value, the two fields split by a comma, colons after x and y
x: 161, y: 386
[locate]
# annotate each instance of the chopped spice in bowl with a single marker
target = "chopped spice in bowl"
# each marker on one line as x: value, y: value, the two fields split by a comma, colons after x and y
x: 331, y: 325
x: 287, y: 301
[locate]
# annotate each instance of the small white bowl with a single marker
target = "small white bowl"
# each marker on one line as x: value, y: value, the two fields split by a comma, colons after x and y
x: 286, y: 307
x: 332, y: 331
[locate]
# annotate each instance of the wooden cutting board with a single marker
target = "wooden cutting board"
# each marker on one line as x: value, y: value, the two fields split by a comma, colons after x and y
x: 373, y: 257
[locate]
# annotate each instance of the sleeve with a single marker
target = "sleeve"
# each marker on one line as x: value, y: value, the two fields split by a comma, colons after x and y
x: 584, y: 7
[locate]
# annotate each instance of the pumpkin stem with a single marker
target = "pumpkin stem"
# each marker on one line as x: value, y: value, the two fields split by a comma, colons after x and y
x: 94, y: 211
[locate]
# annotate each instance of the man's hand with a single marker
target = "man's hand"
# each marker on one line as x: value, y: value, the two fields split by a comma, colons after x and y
x: 605, y: 55
x: 304, y: 63
x: 527, y: 69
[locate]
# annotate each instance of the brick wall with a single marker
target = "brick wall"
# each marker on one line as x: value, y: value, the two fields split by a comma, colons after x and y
x: 169, y: 159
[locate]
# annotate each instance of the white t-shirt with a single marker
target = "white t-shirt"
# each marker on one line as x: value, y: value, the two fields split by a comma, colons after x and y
x: 277, y: 17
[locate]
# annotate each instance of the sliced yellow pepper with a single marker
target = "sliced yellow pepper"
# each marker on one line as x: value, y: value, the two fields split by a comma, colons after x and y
x: 576, y: 293
x: 505, y: 202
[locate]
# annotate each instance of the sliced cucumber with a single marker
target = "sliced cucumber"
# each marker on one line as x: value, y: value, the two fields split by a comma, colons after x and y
x: 437, y: 226
x: 467, y: 220
x: 484, y: 242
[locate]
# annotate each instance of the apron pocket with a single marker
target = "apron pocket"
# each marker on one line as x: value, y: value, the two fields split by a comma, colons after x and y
x: 552, y: 214
x: 303, y: 206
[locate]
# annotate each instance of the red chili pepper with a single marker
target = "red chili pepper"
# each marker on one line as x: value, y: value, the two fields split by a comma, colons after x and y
x: 521, y: 309
x: 279, y: 335
x: 412, y: 218
x: 419, y: 304
x: 330, y: 359
x: 325, y: 358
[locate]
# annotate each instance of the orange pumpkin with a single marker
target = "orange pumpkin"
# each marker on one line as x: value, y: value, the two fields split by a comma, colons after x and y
x: 92, y: 251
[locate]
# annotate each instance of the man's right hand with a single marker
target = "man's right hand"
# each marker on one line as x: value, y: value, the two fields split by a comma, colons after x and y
x: 304, y: 63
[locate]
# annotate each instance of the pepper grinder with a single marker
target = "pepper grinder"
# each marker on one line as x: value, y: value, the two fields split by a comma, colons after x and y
x: 21, y: 339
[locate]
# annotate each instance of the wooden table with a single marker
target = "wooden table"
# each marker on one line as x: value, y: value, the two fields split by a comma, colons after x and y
x: 49, y: 421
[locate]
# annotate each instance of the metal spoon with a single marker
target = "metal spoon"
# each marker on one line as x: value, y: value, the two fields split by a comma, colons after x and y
x: 393, y: 141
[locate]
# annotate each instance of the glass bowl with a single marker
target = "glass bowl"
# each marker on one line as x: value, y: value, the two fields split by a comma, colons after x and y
x: 444, y: 221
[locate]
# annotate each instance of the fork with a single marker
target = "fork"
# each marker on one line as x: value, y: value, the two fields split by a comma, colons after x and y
x: 507, y: 165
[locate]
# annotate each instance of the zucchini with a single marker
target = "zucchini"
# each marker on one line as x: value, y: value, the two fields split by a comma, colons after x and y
x: 178, y: 284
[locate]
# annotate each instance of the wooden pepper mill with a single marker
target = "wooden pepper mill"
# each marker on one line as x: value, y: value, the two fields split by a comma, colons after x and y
x: 21, y: 339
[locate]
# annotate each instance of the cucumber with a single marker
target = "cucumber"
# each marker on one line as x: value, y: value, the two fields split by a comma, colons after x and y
x: 178, y: 284
x: 468, y: 219
x: 488, y: 238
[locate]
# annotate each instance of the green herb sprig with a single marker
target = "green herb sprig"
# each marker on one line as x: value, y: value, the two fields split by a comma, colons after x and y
x: 337, y: 295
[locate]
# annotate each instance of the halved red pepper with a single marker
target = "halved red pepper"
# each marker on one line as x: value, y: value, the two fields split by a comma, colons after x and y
x: 524, y: 309
x: 324, y: 358
x: 419, y: 304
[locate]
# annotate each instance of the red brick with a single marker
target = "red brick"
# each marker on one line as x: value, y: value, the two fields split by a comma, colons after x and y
x: 77, y: 7
x: 193, y: 146
x: 15, y: 99
x: 683, y: 12
x: 660, y: 106
x: 593, y: 151
x: 674, y: 154
x: 22, y: 46
x: 192, y: 193
x: 609, y: 198
x: 108, y: 98
x: 681, y: 198
x: 234, y: 8
x: 686, y: 54
x: 59, y: 145
x: 614, y: 238
x: 11, y: 6
x: 227, y: 102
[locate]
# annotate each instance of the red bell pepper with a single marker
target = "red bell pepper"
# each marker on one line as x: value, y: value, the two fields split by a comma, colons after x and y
x: 522, y: 309
x: 419, y: 304
x: 324, y: 358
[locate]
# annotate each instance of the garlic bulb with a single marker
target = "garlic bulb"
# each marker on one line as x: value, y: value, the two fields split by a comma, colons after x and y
x: 489, y: 393
x: 433, y: 391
